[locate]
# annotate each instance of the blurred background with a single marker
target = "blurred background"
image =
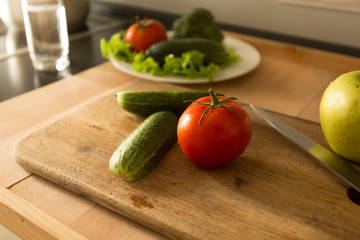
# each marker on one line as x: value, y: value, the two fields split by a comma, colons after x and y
x: 329, y: 21
x: 330, y: 25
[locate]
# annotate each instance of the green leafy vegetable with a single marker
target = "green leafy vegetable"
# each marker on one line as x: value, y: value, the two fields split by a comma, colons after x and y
x: 147, y: 65
x: 232, y: 57
x: 198, y: 23
x: 117, y: 48
x: 190, y: 64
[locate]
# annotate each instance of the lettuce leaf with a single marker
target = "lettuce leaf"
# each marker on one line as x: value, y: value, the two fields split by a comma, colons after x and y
x: 117, y: 48
x: 189, y: 65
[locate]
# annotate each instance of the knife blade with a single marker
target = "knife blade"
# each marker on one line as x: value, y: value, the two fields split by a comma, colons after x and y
x: 341, y: 167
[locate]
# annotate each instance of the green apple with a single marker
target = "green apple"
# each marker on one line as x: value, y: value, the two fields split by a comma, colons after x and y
x: 340, y: 115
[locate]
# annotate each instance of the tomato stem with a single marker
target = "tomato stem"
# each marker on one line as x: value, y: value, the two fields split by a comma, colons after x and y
x: 214, y: 98
x: 215, y: 102
x: 142, y: 24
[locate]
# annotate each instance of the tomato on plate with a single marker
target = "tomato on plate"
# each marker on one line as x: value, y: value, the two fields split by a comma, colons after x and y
x: 145, y: 33
x: 214, y: 135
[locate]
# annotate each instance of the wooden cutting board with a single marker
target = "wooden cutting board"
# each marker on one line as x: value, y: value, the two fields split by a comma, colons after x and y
x: 273, y: 191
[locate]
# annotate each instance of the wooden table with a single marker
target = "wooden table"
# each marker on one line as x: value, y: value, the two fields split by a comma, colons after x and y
x: 290, y: 79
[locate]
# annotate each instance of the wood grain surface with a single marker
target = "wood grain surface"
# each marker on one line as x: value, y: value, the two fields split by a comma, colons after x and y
x: 273, y: 191
x: 290, y: 80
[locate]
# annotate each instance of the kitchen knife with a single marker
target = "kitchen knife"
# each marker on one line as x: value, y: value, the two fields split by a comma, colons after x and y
x: 336, y: 164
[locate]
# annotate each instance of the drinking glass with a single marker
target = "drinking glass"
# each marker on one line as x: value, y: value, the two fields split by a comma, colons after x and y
x: 46, y: 34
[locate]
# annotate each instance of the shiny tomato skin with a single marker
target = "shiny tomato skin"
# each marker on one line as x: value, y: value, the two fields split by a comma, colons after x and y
x: 219, y: 139
x: 145, y: 33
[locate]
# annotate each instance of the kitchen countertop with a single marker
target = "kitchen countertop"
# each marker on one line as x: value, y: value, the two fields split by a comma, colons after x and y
x: 290, y: 80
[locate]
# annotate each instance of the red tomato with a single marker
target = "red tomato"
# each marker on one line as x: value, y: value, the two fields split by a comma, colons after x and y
x: 221, y: 135
x: 144, y: 33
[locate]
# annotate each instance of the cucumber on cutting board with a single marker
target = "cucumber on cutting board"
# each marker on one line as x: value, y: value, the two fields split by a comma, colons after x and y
x: 148, y: 102
x: 141, y: 151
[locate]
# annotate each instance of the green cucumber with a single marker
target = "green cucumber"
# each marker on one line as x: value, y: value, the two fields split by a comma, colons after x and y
x: 214, y: 52
x: 148, y: 102
x: 141, y: 151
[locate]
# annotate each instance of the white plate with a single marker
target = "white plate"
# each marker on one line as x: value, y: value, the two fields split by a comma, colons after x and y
x: 250, y: 59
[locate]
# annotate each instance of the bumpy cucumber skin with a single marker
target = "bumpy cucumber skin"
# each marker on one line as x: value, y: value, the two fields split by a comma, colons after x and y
x: 148, y: 102
x: 142, y: 150
x: 214, y: 51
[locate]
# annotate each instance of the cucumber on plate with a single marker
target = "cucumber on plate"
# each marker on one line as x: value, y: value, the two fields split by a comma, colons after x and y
x: 214, y: 52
